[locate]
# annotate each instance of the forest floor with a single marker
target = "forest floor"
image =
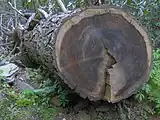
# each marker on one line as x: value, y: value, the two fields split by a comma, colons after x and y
x: 77, y: 108
x: 128, y: 109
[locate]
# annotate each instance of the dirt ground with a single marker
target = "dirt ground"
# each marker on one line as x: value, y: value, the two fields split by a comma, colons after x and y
x: 128, y: 109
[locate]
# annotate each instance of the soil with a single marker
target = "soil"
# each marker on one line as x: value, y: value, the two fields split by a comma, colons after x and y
x: 128, y: 109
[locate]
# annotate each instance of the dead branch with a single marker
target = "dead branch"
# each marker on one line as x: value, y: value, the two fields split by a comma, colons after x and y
x: 29, y: 20
x: 100, y: 2
x: 43, y: 12
x: 60, y: 3
x: 50, y: 6
x: 15, y: 9
x: 15, y: 13
x: 6, y: 31
x: 7, y: 43
x: 1, y: 19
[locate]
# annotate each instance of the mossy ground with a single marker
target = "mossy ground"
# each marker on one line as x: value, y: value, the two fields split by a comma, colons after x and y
x: 9, y: 111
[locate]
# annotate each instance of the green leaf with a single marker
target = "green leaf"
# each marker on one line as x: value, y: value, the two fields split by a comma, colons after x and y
x: 157, y: 32
x: 129, y: 2
x: 45, y: 90
x: 28, y: 92
x: 145, y: 12
x: 140, y: 96
x: 157, y: 24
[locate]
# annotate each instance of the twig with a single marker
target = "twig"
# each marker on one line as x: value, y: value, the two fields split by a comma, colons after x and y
x: 12, y: 25
x: 60, y: 3
x: 8, y: 22
x: 7, y: 43
x: 15, y: 9
x: 1, y: 33
x: 13, y: 50
x: 124, y: 3
x: 9, y: 55
x: 15, y: 13
x: 50, y: 6
x: 29, y: 20
x: 34, y: 4
x: 6, y: 31
x: 43, y: 12
x: 100, y: 3
x: 6, y: 39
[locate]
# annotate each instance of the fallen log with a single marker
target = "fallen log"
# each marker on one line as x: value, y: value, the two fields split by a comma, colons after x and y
x: 100, y: 52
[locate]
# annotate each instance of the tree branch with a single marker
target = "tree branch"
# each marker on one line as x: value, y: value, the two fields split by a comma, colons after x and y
x: 29, y: 20
x: 100, y: 2
x: 7, y: 43
x: 1, y: 18
x: 15, y: 9
x: 15, y: 13
x: 50, y: 6
x: 60, y: 3
x: 43, y: 12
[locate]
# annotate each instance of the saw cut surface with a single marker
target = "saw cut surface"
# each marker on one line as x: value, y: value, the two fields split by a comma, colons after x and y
x: 102, y: 53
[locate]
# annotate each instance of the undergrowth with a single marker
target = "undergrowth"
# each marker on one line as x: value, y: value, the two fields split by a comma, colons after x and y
x: 150, y: 91
x: 35, y: 103
x: 25, y: 105
x: 49, y: 85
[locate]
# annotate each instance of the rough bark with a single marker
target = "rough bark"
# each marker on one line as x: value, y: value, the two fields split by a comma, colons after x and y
x: 100, y: 52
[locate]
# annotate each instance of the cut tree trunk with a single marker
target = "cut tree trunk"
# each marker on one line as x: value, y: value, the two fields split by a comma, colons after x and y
x: 100, y: 52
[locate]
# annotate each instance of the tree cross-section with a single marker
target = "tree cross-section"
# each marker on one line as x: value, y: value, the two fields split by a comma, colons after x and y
x: 100, y: 52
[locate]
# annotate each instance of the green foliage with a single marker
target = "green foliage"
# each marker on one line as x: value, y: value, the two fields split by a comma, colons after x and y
x: 33, y: 4
x: 9, y: 111
x: 1, y: 77
x: 151, y: 90
x: 49, y: 86
x: 147, y: 12
x: 80, y: 3
x: 69, y: 4
x: 32, y: 103
x: 18, y: 105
